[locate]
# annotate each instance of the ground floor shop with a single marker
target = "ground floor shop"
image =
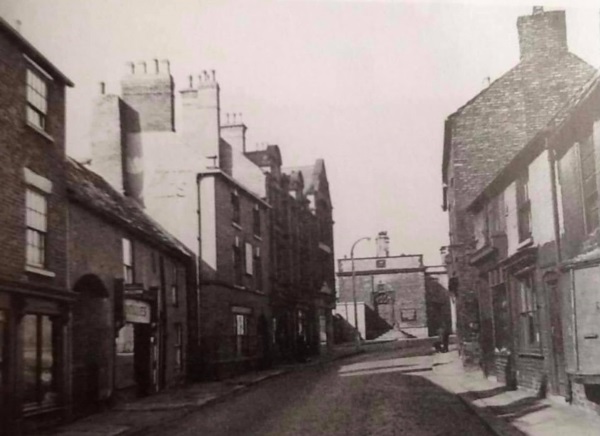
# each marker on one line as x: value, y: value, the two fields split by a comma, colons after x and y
x: 34, y: 363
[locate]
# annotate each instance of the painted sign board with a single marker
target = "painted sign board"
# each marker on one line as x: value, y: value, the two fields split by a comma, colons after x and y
x: 137, y: 311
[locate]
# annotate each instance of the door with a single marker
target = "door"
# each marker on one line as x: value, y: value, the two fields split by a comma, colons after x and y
x: 559, y: 374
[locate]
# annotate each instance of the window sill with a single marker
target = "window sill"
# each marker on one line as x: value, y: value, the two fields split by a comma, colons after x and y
x: 40, y: 131
x: 525, y: 243
x: 39, y: 271
x: 236, y: 225
x: 533, y: 354
x: 258, y: 238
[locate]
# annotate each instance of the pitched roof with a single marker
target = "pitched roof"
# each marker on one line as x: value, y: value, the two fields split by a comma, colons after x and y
x: 508, y: 114
x: 311, y: 175
x: 536, y: 144
x: 95, y: 193
x: 33, y: 52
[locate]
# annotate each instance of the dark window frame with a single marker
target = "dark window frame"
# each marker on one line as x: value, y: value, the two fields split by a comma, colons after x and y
x: 523, y: 206
x: 35, y: 231
x: 589, y: 187
x: 37, y: 98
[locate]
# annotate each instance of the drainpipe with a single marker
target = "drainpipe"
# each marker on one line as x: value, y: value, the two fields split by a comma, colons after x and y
x: 555, y: 212
x: 199, y: 274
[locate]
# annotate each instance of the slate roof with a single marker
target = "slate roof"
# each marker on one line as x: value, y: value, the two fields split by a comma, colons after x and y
x: 92, y: 191
x: 263, y: 158
x: 536, y: 144
x: 310, y: 173
x: 492, y: 127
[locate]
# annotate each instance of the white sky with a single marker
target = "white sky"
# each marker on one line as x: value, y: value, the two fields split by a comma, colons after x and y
x: 366, y: 85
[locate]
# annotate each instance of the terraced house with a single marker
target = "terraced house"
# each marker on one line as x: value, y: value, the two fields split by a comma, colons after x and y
x: 200, y: 182
x: 482, y: 137
x: 35, y: 296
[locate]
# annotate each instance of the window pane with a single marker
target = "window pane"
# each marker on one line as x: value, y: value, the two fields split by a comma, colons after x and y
x: 30, y: 358
x: 48, y: 364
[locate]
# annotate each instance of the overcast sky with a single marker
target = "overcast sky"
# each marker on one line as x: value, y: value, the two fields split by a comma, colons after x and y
x: 366, y: 85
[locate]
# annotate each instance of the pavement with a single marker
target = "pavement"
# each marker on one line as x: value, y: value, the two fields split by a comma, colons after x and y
x: 503, y: 412
x: 506, y: 412
x: 140, y: 415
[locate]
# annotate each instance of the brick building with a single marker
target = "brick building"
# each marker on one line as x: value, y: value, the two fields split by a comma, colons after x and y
x: 34, y: 290
x: 540, y: 284
x: 200, y: 184
x: 392, y: 293
x: 484, y: 135
x: 134, y: 282
x: 301, y: 261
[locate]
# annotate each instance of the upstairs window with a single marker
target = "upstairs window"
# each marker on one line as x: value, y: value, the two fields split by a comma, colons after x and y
x: 37, y: 99
x: 258, y: 277
x: 588, y: 184
x: 175, y: 287
x: 235, y: 207
x: 237, y: 263
x: 37, y: 222
x: 178, y: 347
x: 523, y: 206
x: 127, y: 261
x: 256, y: 220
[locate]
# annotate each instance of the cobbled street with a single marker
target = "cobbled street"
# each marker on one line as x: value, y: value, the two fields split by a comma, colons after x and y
x: 378, y: 393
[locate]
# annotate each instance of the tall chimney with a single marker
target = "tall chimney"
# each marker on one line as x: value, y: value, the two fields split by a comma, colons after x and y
x: 234, y: 132
x: 383, y: 244
x: 149, y: 91
x: 542, y: 33
x: 200, y: 118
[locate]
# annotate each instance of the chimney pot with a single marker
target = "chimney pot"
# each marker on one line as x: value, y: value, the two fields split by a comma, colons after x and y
x: 131, y: 67
x: 102, y: 88
x: 206, y: 75
x: 156, y: 66
x: 142, y: 66
x: 191, y: 81
x: 538, y: 10
x: 166, y: 66
x: 213, y: 74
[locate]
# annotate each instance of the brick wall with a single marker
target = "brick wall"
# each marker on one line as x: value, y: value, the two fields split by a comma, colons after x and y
x: 23, y: 146
x: 95, y: 248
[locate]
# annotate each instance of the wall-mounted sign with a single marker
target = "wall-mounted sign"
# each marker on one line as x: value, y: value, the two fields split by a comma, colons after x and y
x: 382, y: 298
x: 137, y: 311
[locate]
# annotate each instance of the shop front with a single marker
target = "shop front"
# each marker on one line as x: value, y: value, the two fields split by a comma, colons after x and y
x: 34, y: 388
x: 137, y: 343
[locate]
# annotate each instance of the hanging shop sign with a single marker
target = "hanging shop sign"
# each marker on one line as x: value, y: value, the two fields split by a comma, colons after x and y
x: 137, y: 311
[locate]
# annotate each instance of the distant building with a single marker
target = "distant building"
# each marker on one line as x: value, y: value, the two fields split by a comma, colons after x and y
x: 201, y: 184
x: 391, y: 293
x: 136, y: 300
x: 35, y: 300
x: 482, y: 137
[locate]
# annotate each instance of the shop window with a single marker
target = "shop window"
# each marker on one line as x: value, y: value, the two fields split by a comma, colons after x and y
x: 178, y: 347
x: 127, y: 261
x: 240, y: 326
x: 40, y: 360
x: 37, y: 220
x: 125, y: 340
x: 523, y: 206
x: 500, y: 309
x: 588, y: 184
x: 37, y: 99
x: 528, y: 313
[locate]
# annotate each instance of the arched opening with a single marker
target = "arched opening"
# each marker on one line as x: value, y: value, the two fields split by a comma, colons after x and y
x: 92, y: 343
